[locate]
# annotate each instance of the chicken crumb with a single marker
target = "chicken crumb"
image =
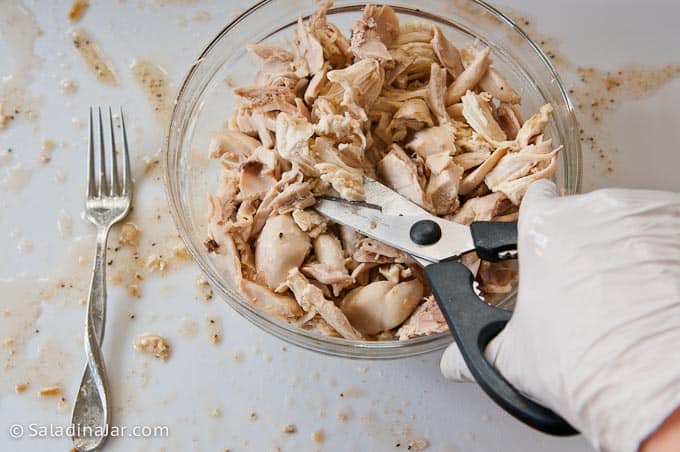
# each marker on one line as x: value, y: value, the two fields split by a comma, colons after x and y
x: 204, y: 288
x: 318, y: 436
x: 153, y: 344
x: 342, y: 417
x: 290, y: 429
x: 156, y: 263
x: 252, y: 416
x: 215, y: 412
x: 50, y: 391
x: 134, y: 291
x: 129, y: 234
x: 68, y: 86
x: 78, y: 10
x: 211, y: 245
x: 180, y: 252
x: 214, y: 329
x: 20, y: 387
x: 418, y: 444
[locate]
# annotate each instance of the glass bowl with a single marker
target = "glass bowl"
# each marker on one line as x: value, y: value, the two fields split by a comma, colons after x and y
x: 205, y: 101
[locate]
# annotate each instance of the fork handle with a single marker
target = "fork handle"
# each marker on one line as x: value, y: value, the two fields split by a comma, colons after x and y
x: 91, y: 410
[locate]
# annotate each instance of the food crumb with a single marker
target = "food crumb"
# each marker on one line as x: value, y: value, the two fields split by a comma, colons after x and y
x: 237, y: 356
x: 129, y: 234
x: 20, y: 387
x: 418, y: 444
x: 252, y: 416
x: 50, y: 391
x: 78, y: 10
x: 211, y: 245
x: 318, y: 436
x: 68, y: 86
x: 153, y: 344
x: 215, y: 412
x: 214, y: 329
x: 47, y: 145
x: 180, y: 252
x: 342, y: 417
x: 156, y: 263
x: 204, y: 288
x: 290, y: 429
x: 134, y: 291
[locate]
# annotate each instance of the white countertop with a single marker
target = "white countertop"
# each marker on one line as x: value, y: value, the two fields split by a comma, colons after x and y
x: 386, y: 403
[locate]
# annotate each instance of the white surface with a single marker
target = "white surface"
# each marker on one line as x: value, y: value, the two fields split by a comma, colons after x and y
x: 387, y: 402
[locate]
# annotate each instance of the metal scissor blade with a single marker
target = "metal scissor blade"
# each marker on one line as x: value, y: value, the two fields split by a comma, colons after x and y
x: 394, y: 230
x: 391, y: 202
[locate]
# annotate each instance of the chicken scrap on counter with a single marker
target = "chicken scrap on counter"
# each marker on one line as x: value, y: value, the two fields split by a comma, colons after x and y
x: 396, y: 102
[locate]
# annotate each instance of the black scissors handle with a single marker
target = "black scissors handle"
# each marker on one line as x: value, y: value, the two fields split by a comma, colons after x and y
x: 474, y: 323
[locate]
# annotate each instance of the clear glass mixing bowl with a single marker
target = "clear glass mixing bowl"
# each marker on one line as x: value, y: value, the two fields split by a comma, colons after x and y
x: 205, y: 101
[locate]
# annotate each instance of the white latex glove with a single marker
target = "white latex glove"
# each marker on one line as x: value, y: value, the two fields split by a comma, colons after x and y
x: 595, y: 335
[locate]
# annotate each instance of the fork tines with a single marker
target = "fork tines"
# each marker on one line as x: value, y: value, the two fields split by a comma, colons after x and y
x: 98, y: 186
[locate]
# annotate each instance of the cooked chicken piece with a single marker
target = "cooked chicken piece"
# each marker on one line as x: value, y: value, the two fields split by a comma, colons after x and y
x: 427, y: 319
x: 478, y: 113
x: 534, y: 126
x: 280, y: 247
x: 282, y: 306
x: 263, y: 99
x: 310, y: 222
x: 483, y: 208
x: 497, y: 277
x: 514, y: 165
x: 229, y: 262
x: 436, y: 88
x: 315, y: 86
x: 455, y: 111
x: 233, y: 145
x: 276, y: 65
x: 496, y: 85
x: 292, y: 142
x: 259, y: 124
x: 399, y: 64
x: 442, y: 187
x: 508, y: 117
x: 413, y: 114
x: 469, y: 78
x: 468, y: 160
x: 331, y: 266
x: 350, y: 238
x: 256, y: 180
x: 308, y: 51
x: 412, y: 36
x: 349, y: 139
x: 293, y: 177
x: 395, y: 273
x: 348, y: 184
x: 476, y: 177
x: 372, y: 251
x: 241, y: 226
x: 223, y: 202
x: 377, y: 29
x: 447, y: 53
x: 381, y: 305
x: 297, y: 195
x: 400, y: 173
x: 309, y: 296
x: 515, y: 189
x: 335, y: 45
x: 434, y: 140
x: 265, y: 52
x: 361, y: 83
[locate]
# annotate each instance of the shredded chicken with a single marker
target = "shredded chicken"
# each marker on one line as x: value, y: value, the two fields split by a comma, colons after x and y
x: 399, y: 102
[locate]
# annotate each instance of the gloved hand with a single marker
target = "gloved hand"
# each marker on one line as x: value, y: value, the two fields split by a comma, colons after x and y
x: 595, y: 334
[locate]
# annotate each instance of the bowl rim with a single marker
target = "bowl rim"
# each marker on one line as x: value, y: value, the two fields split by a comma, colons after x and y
x: 346, y: 348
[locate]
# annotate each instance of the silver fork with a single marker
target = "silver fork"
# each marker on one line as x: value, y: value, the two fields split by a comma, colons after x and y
x: 108, y: 201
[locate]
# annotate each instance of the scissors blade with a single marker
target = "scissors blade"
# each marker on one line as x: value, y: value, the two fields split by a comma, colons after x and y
x: 390, y: 202
x: 394, y: 230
